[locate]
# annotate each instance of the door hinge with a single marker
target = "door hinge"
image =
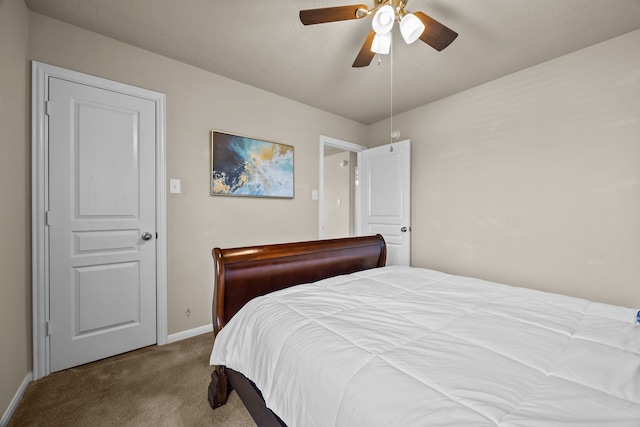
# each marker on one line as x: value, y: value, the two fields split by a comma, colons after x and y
x: 47, y: 107
x: 48, y: 328
x: 47, y: 218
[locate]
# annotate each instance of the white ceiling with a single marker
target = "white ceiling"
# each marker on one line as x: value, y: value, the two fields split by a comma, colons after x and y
x: 263, y: 44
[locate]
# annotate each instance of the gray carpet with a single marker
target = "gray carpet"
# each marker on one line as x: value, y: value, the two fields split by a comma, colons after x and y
x: 153, y: 386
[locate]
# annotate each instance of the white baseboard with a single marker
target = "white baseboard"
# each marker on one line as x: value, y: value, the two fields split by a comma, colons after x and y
x: 190, y: 333
x: 4, y: 421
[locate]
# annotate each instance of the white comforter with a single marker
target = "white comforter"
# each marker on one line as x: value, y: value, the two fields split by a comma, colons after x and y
x: 401, y: 346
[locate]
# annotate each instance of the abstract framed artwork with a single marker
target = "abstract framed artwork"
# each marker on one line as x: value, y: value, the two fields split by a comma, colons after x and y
x: 242, y: 166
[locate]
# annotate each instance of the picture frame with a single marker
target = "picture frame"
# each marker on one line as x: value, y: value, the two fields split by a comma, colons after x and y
x: 250, y: 167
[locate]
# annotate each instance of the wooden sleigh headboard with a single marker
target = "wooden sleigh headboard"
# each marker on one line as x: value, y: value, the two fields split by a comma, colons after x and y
x: 244, y: 273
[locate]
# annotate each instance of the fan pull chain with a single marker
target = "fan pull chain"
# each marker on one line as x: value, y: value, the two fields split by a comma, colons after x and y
x: 394, y: 134
x: 391, y: 100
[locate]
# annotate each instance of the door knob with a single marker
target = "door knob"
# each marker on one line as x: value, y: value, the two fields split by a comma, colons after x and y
x: 146, y: 235
x: 403, y: 229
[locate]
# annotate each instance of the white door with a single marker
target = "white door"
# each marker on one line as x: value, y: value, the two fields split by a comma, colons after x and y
x: 102, y: 223
x: 384, y: 176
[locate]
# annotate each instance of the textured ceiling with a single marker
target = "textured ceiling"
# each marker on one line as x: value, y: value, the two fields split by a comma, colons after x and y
x: 263, y: 44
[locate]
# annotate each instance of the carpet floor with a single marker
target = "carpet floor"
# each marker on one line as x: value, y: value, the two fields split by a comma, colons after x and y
x: 153, y: 386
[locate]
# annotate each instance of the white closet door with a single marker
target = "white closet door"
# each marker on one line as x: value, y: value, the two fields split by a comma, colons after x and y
x: 102, y: 223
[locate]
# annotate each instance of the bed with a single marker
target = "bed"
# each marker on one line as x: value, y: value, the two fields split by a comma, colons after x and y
x: 322, y: 333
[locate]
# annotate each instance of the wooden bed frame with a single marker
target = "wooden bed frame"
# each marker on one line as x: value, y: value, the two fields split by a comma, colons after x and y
x: 245, y: 273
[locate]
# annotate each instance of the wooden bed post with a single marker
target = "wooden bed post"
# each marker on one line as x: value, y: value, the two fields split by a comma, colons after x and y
x: 219, y: 387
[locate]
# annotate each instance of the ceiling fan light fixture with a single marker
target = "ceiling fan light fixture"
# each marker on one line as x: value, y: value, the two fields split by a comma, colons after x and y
x: 383, y: 20
x: 384, y: 14
x: 381, y: 43
x: 411, y: 28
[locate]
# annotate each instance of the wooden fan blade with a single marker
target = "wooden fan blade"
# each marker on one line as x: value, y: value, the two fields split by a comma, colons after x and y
x: 435, y: 34
x: 365, y: 55
x: 331, y: 14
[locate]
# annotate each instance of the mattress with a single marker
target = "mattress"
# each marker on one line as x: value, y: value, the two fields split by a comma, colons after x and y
x: 403, y: 346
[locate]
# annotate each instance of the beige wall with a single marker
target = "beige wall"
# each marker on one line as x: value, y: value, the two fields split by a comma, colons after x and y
x: 15, y: 208
x: 198, y: 101
x: 534, y: 179
x: 337, y: 187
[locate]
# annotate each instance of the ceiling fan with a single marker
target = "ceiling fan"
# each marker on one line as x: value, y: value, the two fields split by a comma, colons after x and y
x: 385, y: 13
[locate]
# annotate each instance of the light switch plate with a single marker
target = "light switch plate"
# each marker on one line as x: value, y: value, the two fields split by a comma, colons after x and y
x: 174, y: 186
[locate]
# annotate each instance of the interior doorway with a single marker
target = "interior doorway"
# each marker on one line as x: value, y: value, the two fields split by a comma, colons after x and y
x: 337, y: 191
x: 54, y: 89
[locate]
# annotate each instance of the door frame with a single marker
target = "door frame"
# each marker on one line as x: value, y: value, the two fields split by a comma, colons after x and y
x: 344, y: 145
x: 40, y: 195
